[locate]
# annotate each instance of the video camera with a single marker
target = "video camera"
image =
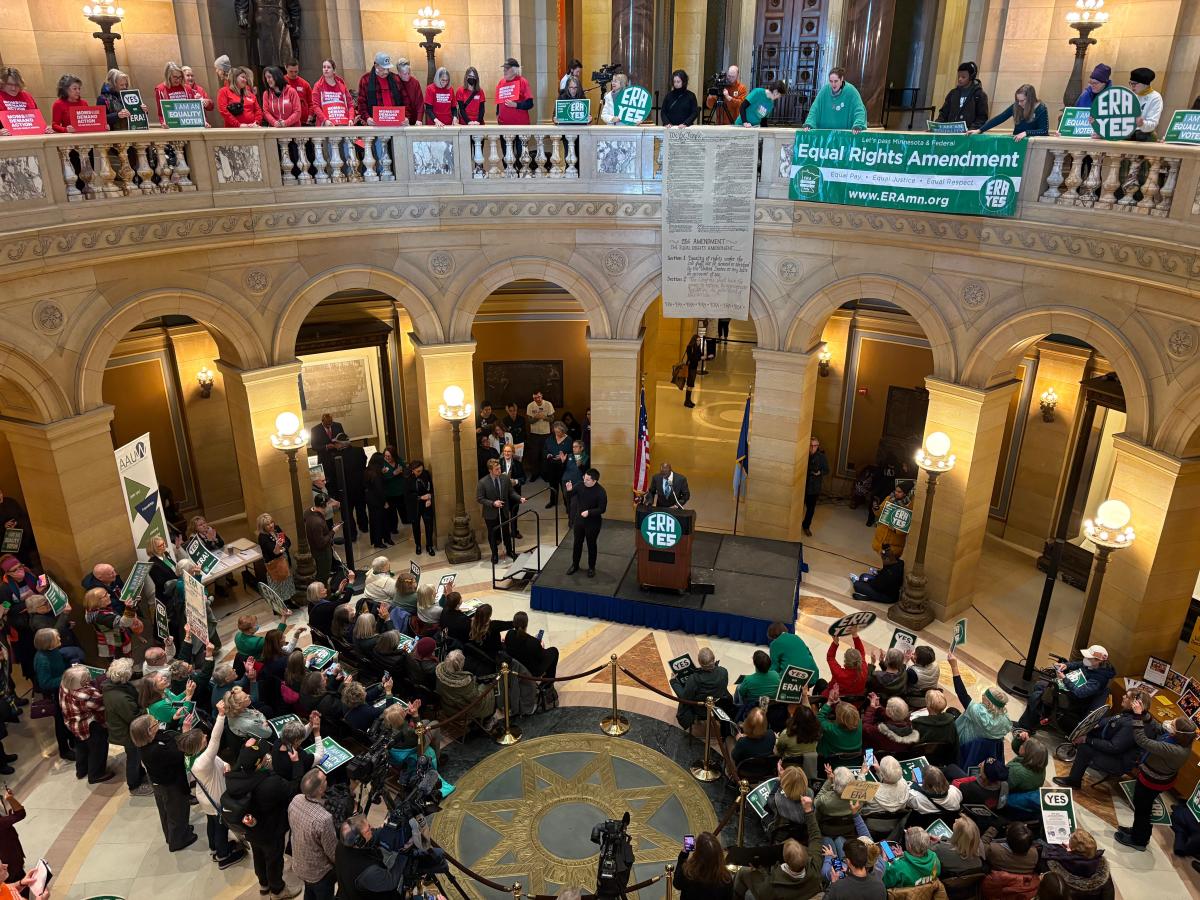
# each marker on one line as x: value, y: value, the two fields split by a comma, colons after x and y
x: 616, y: 856
x: 717, y: 85
x: 604, y: 75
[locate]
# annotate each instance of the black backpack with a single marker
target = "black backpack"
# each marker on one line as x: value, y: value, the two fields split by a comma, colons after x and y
x: 236, y: 804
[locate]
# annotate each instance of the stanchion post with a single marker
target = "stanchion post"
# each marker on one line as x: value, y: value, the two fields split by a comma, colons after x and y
x: 669, y: 877
x: 614, y: 725
x: 511, y: 733
x: 516, y: 891
x: 420, y: 730
x: 703, y: 769
x: 743, y: 790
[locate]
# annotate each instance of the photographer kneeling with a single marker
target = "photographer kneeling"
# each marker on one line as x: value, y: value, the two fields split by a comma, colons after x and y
x: 372, y: 864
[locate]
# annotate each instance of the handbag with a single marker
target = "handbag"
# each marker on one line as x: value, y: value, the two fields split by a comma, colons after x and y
x: 278, y: 570
x: 679, y: 375
x: 43, y: 708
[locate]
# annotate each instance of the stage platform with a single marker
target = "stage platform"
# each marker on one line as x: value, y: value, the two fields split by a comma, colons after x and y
x: 756, y: 582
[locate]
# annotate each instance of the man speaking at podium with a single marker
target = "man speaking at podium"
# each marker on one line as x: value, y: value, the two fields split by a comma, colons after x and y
x: 667, y: 488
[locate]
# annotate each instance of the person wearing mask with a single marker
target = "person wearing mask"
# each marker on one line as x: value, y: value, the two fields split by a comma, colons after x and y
x: 167, y: 768
x: 266, y: 796
x: 470, y: 99
x: 727, y: 104
x: 236, y: 102
x: 788, y: 649
x: 608, y: 114
x: 513, y: 98
x: 1109, y: 747
x: 1012, y: 864
x: 756, y: 108
x: 418, y: 499
x: 591, y: 502
x: 1166, y: 749
x: 838, y: 105
x: 818, y: 468
x: 281, y: 105
x: 700, y: 873
x: 1100, y: 80
x: 1152, y: 104
x: 709, y: 680
x: 1029, y: 116
x: 1084, y: 682
x: 858, y: 882
x: 208, y: 771
x: 110, y: 98
x: 574, y: 70
x: 14, y: 98
x: 314, y: 837
x: 379, y: 87
x: 440, y: 106
x: 966, y: 101
x: 331, y: 90
x: 69, y: 89
x: 680, y: 107
x: 120, y: 709
x: 302, y: 88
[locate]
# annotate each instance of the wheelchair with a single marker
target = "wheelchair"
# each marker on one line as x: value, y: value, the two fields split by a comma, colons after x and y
x: 1064, y: 718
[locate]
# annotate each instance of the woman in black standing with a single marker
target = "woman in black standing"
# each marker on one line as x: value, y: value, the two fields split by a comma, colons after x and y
x: 701, y: 874
x: 375, y: 488
x: 679, y: 107
x: 418, y: 500
x: 692, y: 356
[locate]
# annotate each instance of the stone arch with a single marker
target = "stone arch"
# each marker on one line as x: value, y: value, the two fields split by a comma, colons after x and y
x: 650, y: 289
x: 27, y: 391
x: 814, y: 312
x: 496, y: 276
x: 236, y: 338
x: 999, y: 350
x: 1178, y: 433
x: 425, y: 320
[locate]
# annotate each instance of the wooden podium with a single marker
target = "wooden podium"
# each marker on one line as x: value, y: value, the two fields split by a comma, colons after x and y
x: 664, y: 547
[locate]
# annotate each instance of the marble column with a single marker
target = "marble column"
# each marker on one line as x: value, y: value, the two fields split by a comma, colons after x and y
x: 781, y: 417
x: 1148, y: 586
x: 633, y: 39
x: 615, y: 399
x: 438, y: 367
x: 73, y: 496
x: 866, y: 46
x: 974, y: 421
x: 256, y: 397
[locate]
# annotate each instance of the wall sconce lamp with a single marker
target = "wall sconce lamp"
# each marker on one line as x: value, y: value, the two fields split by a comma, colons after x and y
x: 1049, y: 402
x: 205, y: 379
x: 823, y: 359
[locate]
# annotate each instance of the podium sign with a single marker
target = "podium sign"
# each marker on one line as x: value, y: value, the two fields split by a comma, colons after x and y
x: 664, y: 548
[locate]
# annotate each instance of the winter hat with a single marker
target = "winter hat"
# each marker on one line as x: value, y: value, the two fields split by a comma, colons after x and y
x: 1142, y: 75
x: 10, y: 563
x: 1102, y: 72
x: 222, y: 64
x: 425, y: 648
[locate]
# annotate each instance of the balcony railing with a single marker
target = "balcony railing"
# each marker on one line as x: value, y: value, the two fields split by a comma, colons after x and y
x: 55, y: 179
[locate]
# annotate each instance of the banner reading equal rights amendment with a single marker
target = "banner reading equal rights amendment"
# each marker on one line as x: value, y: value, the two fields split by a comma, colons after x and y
x: 976, y: 175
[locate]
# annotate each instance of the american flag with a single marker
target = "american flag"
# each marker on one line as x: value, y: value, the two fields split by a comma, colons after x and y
x: 641, y: 459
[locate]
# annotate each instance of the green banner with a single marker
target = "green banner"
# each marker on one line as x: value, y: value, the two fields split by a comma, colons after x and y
x: 279, y: 722
x: 132, y: 101
x: 631, y: 105
x: 896, y: 517
x: 1184, y: 127
x: 201, y: 555
x: 335, y: 755
x: 1193, y: 803
x: 757, y: 798
x: 792, y: 684
x: 162, y: 624
x: 56, y: 595
x: 1076, y: 122
x: 960, y: 634
x: 318, y: 657
x: 183, y: 113
x: 945, y: 127
x: 1115, y: 112
x: 573, y: 112
x: 909, y: 766
x: 1159, y: 815
x: 977, y: 175
x: 132, y: 589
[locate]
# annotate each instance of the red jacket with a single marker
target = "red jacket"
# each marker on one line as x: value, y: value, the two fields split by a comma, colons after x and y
x: 60, y: 118
x: 283, y: 110
x: 518, y: 90
x: 183, y: 92
x: 323, y: 93
x: 373, y: 91
x: 853, y: 682
x: 304, y: 89
x: 203, y: 95
x: 250, y: 115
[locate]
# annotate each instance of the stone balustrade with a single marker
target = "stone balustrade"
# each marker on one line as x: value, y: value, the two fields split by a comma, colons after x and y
x: 69, y: 178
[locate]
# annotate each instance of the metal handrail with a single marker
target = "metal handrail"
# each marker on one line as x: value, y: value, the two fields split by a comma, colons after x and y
x: 511, y: 522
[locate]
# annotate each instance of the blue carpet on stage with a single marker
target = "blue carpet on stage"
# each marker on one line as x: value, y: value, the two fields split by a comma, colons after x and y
x: 756, y: 582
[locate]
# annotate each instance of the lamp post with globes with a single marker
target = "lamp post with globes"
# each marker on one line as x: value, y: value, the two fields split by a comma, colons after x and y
x: 106, y: 17
x: 462, y: 545
x: 1085, y: 18
x: 1109, y: 531
x: 429, y: 23
x: 290, y: 439
x: 913, y: 610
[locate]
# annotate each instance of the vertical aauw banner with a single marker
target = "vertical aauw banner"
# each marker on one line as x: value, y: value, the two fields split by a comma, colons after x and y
x: 974, y: 175
x: 139, y: 484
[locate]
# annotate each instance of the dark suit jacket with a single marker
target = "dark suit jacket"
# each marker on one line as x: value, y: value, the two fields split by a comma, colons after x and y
x: 354, y: 465
x: 657, y: 495
x: 319, y: 440
x: 515, y: 473
x: 486, y: 494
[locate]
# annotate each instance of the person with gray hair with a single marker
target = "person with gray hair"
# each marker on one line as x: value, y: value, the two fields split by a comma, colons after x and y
x: 381, y: 583
x: 833, y: 813
x: 224, y: 679
x: 440, y: 108
x: 917, y: 865
x: 120, y: 709
x: 458, y: 689
x: 314, y: 838
x: 709, y: 680
x: 888, y: 729
x: 887, y: 675
x: 892, y: 795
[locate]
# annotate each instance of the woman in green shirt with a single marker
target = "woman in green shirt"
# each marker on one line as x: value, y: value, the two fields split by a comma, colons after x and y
x: 841, y: 729
x: 1027, y: 771
x: 801, y: 735
x: 838, y: 105
x: 759, y: 104
x: 393, y: 490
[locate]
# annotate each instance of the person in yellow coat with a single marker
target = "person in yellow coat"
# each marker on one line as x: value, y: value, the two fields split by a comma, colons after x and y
x: 885, y: 535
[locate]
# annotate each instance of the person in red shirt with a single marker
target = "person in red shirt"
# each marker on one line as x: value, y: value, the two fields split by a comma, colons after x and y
x: 14, y: 97
x: 236, y: 102
x: 439, y: 101
x: 189, y: 79
x: 513, y: 99
x: 414, y: 96
x: 330, y: 88
x: 379, y: 87
x: 470, y: 99
x: 851, y: 674
x: 173, y: 87
x: 302, y: 88
x: 281, y: 104
x: 69, y: 89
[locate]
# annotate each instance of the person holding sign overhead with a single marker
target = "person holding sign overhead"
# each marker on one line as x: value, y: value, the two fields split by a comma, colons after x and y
x: 331, y: 101
x: 14, y: 98
x: 1029, y: 116
x: 851, y: 674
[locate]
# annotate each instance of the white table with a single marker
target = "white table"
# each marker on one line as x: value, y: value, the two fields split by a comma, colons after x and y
x: 245, y: 552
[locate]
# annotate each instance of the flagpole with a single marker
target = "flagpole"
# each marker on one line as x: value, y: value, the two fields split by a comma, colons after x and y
x: 737, y: 501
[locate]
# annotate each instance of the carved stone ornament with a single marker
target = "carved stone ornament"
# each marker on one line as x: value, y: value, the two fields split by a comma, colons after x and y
x: 257, y: 281
x: 441, y: 263
x: 615, y: 261
x: 974, y: 295
x: 48, y: 317
x: 1182, y: 342
x: 789, y: 271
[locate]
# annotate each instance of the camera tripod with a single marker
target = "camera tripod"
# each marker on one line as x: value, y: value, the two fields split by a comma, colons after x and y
x: 414, y: 880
